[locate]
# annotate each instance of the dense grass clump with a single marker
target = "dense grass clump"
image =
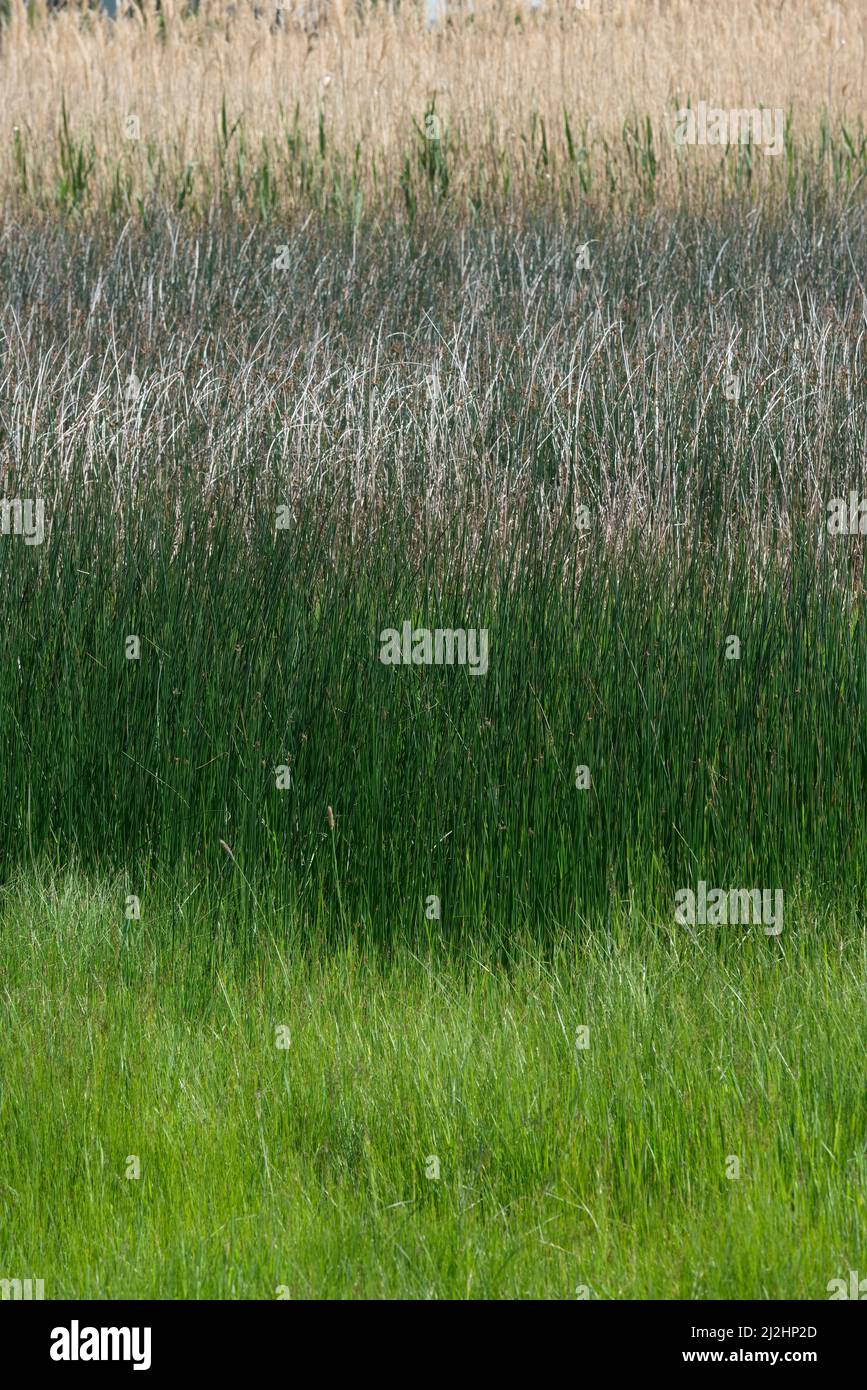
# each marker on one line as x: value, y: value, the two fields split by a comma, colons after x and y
x: 259, y: 653
x: 270, y: 470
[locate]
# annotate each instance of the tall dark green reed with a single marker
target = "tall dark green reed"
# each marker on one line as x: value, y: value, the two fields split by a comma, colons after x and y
x: 432, y: 414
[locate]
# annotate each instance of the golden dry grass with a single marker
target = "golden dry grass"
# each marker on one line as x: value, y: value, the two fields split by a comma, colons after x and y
x: 494, y: 78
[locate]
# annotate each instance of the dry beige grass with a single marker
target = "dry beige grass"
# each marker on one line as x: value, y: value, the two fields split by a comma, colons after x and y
x: 372, y: 78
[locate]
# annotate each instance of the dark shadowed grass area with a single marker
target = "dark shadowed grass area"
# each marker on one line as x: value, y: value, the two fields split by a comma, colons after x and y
x: 259, y: 654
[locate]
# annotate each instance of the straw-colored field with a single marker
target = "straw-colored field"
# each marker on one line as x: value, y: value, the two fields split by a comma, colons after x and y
x: 530, y: 101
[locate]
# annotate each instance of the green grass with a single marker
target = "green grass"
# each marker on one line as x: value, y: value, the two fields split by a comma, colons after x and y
x: 432, y: 411
x: 254, y: 657
x: 304, y: 1167
x: 450, y: 504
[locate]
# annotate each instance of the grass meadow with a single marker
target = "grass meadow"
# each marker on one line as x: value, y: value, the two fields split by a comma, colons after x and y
x: 323, y: 977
